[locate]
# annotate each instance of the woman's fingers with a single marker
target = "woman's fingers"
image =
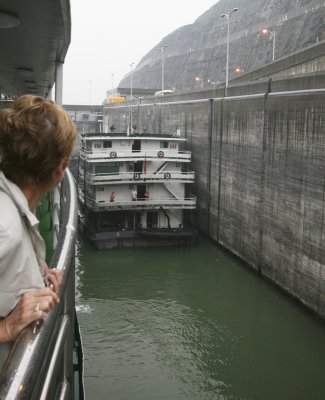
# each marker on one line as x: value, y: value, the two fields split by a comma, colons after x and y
x: 58, y: 274
x: 55, y: 277
x: 35, y: 305
x: 44, y: 292
x: 45, y: 303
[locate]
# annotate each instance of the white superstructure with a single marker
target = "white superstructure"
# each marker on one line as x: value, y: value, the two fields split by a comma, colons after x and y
x: 136, y: 182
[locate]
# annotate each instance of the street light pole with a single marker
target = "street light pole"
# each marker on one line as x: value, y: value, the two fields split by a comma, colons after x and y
x: 228, y: 15
x: 272, y: 36
x: 140, y: 98
x: 273, y: 52
x: 131, y: 96
x: 162, y: 49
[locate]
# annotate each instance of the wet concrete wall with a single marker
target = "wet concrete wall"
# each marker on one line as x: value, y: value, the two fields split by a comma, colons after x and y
x: 260, y: 175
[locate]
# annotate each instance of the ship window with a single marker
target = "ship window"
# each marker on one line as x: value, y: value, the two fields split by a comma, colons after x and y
x: 136, y: 145
x: 85, y: 117
x: 99, y: 189
x: 106, y: 169
x: 152, y: 219
x: 97, y: 146
x: 164, y: 145
x: 107, y: 144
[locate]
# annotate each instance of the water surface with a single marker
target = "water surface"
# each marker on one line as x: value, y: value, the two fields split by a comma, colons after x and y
x: 192, y: 323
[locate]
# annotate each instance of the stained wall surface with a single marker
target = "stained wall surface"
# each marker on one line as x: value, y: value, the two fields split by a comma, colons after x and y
x: 259, y: 161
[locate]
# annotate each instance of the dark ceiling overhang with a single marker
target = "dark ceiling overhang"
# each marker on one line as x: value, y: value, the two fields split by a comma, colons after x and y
x: 30, y: 51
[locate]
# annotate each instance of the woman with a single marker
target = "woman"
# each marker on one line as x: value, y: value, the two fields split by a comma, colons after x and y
x: 36, y: 140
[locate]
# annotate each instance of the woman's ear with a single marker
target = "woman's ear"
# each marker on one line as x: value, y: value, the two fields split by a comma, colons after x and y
x: 59, y: 170
x: 64, y: 163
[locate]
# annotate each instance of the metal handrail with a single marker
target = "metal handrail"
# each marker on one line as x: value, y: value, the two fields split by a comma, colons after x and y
x: 34, y: 364
x: 58, y: 349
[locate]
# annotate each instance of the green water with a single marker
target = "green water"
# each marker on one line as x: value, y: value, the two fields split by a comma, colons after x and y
x: 192, y: 323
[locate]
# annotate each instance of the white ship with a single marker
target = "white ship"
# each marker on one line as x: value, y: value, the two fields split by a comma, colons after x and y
x: 133, y: 190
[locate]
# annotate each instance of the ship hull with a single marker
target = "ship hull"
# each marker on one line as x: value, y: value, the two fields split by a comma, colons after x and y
x: 146, y: 237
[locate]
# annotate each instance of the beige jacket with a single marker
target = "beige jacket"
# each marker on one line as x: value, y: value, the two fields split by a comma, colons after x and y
x: 22, y: 251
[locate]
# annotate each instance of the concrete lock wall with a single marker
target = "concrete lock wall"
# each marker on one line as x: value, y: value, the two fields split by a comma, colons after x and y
x: 293, y: 202
x: 260, y: 174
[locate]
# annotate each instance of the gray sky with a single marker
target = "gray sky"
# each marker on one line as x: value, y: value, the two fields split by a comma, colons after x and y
x: 108, y: 35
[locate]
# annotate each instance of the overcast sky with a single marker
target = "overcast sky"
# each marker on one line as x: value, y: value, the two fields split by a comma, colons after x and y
x: 108, y: 35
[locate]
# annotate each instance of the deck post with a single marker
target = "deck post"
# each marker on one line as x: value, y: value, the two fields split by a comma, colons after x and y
x: 59, y: 83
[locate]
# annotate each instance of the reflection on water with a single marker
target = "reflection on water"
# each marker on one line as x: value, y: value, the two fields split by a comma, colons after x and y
x: 191, y: 323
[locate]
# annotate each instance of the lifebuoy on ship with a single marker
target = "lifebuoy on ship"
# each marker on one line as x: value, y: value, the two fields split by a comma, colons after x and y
x: 160, y: 154
x: 113, y: 154
x: 167, y: 175
x: 136, y: 176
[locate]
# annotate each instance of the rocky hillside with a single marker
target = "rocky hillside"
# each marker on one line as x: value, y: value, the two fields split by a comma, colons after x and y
x: 195, y: 56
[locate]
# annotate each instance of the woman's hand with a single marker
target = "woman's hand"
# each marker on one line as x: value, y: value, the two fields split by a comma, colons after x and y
x: 32, y: 306
x: 54, y: 276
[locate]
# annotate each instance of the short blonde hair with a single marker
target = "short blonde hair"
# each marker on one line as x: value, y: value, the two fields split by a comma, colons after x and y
x: 35, y: 135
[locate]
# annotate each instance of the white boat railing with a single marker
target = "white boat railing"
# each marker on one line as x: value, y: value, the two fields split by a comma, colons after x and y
x: 40, y: 365
x: 188, y: 202
x: 120, y: 154
x: 133, y: 177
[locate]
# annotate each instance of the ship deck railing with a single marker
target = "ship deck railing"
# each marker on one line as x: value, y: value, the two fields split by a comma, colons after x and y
x: 134, y: 135
x: 133, y: 177
x: 188, y: 202
x: 137, y: 155
x: 41, y: 364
